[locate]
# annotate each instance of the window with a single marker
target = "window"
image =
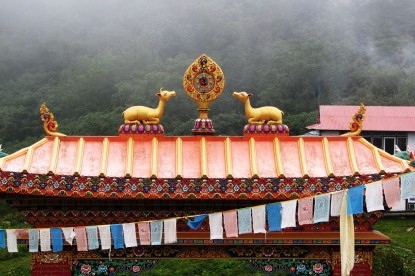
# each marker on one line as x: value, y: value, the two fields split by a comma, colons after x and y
x: 387, y: 140
x: 378, y: 142
x: 402, y: 143
x: 390, y: 143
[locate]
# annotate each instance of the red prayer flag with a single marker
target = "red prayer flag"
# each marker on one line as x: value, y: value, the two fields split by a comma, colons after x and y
x: 392, y: 191
x: 144, y: 233
x: 80, y: 236
x: 305, y: 211
x: 230, y: 220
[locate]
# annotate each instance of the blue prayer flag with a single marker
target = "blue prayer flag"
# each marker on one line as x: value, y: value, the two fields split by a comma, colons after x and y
x: 355, y: 200
x: 117, y: 236
x: 274, y: 216
x: 197, y: 222
x: 57, y: 242
x: 2, y: 238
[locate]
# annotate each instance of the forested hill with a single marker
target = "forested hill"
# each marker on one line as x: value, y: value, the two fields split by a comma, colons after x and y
x: 89, y: 60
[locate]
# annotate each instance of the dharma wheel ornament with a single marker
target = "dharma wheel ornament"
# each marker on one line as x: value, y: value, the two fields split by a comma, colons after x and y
x: 203, y: 81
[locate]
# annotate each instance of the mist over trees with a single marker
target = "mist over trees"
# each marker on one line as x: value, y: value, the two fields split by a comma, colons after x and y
x: 89, y: 60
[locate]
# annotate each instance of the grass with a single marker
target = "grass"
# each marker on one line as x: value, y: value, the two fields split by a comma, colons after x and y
x: 401, y: 230
x: 15, y: 263
x: 397, y: 259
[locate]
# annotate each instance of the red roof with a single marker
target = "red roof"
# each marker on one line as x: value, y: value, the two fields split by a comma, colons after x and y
x: 377, y: 118
x: 203, y: 157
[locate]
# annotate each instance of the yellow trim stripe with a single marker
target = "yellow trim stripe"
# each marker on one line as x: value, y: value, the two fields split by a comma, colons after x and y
x: 54, y: 156
x: 79, y: 156
x: 203, y: 158
x: 327, y: 157
x: 21, y: 152
x: 403, y: 163
x: 29, y: 155
x: 154, y: 158
x: 228, y: 158
x: 277, y: 156
x: 301, y: 155
x: 253, y: 159
x: 104, y: 157
x: 352, y: 156
x: 375, y: 153
x: 28, y: 160
x: 179, y: 158
x: 130, y: 158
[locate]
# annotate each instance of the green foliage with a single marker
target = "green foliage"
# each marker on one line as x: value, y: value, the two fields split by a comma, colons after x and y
x: 9, y: 217
x: 14, y: 263
x: 388, y: 261
x: 298, y: 122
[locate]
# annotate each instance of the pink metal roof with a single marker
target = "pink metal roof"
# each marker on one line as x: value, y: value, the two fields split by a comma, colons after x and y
x: 377, y: 118
x: 203, y: 157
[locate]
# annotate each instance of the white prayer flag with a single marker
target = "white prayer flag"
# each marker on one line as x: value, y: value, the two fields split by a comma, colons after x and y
x: 407, y: 185
x: 44, y: 239
x: 130, y: 236
x: 244, y: 221
x: 170, y: 231
x: 374, y: 196
x: 336, y: 201
x: 156, y: 232
x: 399, y: 207
x: 33, y: 240
x: 258, y: 219
x: 321, y: 208
x: 105, y: 236
x: 69, y: 234
x: 289, y: 210
x: 215, y: 225
x: 11, y: 240
x: 92, y: 236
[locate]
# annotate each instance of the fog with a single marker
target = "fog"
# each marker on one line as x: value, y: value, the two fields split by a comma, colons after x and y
x: 174, y: 27
x: 97, y: 57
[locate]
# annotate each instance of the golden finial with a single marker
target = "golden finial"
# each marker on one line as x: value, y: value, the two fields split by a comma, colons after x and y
x: 356, y: 125
x: 203, y: 81
x: 49, y: 124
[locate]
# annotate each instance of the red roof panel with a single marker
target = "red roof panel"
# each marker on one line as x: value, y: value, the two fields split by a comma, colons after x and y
x: 203, y: 157
x: 377, y: 118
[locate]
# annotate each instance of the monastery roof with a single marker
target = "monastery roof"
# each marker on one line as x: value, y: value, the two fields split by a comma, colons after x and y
x: 377, y: 118
x: 159, y: 156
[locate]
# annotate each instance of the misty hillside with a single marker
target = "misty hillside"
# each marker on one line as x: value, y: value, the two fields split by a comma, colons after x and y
x: 89, y: 60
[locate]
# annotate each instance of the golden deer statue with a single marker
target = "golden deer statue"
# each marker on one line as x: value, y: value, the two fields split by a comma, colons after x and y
x: 258, y: 116
x: 146, y: 115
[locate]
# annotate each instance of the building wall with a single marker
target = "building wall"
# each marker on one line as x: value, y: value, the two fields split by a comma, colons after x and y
x: 411, y: 140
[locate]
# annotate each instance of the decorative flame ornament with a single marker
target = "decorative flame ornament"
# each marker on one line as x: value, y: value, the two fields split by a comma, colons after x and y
x: 49, y: 124
x: 203, y: 81
x: 356, y: 126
